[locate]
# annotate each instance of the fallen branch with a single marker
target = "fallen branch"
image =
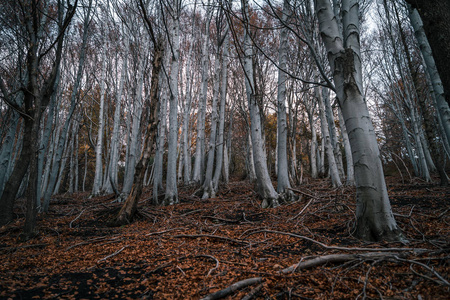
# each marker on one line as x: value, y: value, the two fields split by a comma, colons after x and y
x: 194, y: 236
x: 253, y: 292
x: 222, y: 220
x: 233, y: 288
x: 420, y: 250
x: 303, y: 193
x: 91, y: 241
x: 70, y: 224
x: 114, y: 254
x: 161, y: 232
x: 213, y: 258
x: 444, y: 281
x: 304, y: 208
x: 336, y: 258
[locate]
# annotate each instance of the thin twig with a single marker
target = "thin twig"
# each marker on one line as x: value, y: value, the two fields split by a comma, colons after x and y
x: 114, y: 254
x: 70, y: 224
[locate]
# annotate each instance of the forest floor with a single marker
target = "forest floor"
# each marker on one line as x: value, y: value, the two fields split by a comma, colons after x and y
x: 300, y: 250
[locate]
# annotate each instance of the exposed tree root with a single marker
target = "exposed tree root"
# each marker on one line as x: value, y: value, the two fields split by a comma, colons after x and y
x: 337, y: 258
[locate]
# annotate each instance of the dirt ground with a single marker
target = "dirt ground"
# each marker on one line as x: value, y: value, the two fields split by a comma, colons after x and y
x: 300, y: 250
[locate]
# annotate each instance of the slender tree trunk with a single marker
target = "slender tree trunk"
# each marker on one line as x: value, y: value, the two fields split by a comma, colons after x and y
x: 99, y: 145
x: 221, y: 153
x: 442, y: 107
x: 162, y: 125
x: 171, y: 196
x: 348, y: 150
x: 282, y: 164
x: 335, y: 179
x: 199, y: 162
x: 436, y: 15
x: 332, y: 130
x: 208, y: 186
x: 115, y: 145
x: 135, y: 131
x: 265, y: 188
x: 7, y: 149
x: 129, y: 207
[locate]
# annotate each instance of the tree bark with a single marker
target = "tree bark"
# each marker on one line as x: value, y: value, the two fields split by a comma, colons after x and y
x: 171, y: 196
x: 264, y: 185
x: 375, y: 220
x: 283, y: 184
x: 435, y: 15
x: 129, y: 207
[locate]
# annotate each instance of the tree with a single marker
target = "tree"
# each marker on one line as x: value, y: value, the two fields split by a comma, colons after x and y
x: 171, y: 196
x: 436, y: 23
x: 37, y: 87
x: 375, y: 220
x: 264, y: 185
x: 283, y: 185
x: 129, y: 208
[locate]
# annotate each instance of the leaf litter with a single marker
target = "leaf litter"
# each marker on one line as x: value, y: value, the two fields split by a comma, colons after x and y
x: 230, y: 248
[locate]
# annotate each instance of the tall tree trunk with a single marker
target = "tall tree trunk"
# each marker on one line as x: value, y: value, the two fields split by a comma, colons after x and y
x: 135, y: 131
x: 171, y: 196
x: 348, y: 150
x: 374, y: 217
x: 435, y: 16
x: 332, y: 166
x: 99, y: 145
x: 6, y: 154
x: 208, y: 185
x: 221, y: 153
x: 114, y: 158
x: 283, y: 184
x: 442, y: 107
x: 264, y: 185
x: 129, y: 207
x: 199, y: 162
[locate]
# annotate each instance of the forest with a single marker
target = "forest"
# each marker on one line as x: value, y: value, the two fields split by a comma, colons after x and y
x: 224, y: 149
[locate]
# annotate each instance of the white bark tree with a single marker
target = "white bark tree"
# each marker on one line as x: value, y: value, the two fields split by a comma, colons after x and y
x: 264, y: 185
x: 199, y: 163
x: 375, y: 220
x: 282, y: 161
x: 171, y: 196
x: 96, y: 189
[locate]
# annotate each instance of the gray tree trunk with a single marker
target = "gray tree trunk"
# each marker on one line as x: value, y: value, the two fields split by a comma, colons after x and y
x: 99, y: 145
x: 348, y: 150
x: 374, y: 217
x: 221, y: 156
x: 171, y: 196
x: 115, y: 145
x: 199, y: 162
x: 162, y: 125
x: 283, y: 184
x: 6, y: 154
x: 326, y: 140
x: 134, y: 151
x: 264, y: 188
x: 442, y: 106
